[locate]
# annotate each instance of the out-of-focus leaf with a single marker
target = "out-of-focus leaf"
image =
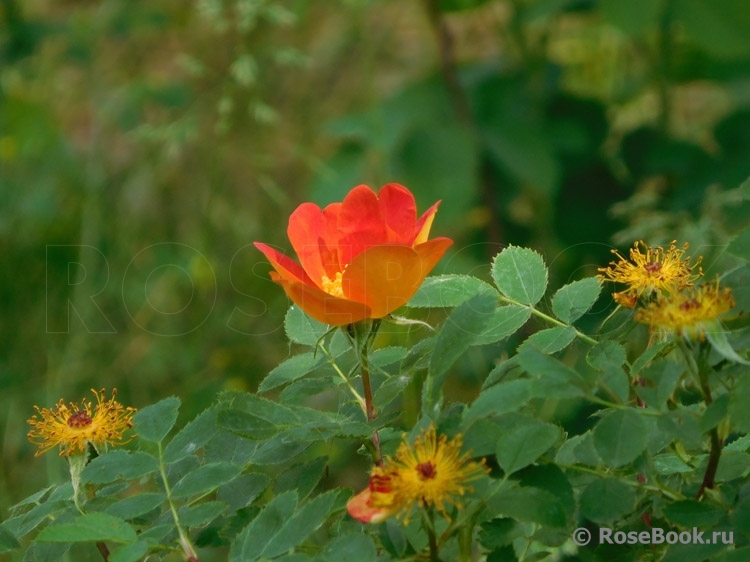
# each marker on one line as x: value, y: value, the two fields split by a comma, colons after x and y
x: 636, y: 17
x: 718, y: 26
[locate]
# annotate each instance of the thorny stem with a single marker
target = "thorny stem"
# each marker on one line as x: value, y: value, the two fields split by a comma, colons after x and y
x: 361, y: 336
x: 714, y: 454
x: 103, y: 550
x: 550, y: 319
x: 187, y: 547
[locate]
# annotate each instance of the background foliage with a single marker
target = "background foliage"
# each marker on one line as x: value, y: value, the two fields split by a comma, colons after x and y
x: 152, y: 142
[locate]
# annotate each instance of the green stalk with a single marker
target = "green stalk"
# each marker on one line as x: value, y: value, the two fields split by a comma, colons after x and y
x: 187, y: 546
x: 550, y: 319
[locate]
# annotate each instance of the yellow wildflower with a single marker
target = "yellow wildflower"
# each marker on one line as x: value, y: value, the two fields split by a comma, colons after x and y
x: 73, y: 427
x: 691, y: 313
x: 430, y: 474
x: 650, y: 271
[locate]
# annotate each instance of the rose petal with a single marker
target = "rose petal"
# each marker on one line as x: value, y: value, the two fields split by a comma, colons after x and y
x: 387, y: 276
x: 286, y: 267
x: 399, y: 211
x: 360, y: 223
x: 424, y: 224
x: 304, y: 231
x: 322, y: 306
x: 359, y: 507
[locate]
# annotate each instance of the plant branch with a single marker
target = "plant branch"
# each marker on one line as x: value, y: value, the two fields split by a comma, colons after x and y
x: 550, y: 319
x: 187, y: 547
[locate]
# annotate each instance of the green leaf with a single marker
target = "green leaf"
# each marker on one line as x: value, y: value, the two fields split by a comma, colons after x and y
x: 247, y: 425
x: 606, y: 353
x: 302, y: 329
x: 619, y: 437
x: 191, y: 437
x: 506, y: 320
x: 522, y: 441
x: 291, y: 369
x: 500, y: 399
x: 718, y: 339
x: 691, y: 513
x: 739, y: 413
x: 740, y: 245
x: 253, y: 539
x: 89, y: 527
x: 129, y: 552
x: 715, y: 413
x: 303, y: 523
x: 606, y: 500
x: 46, y: 552
x: 660, y: 380
x: 520, y: 274
x: 645, y: 358
x: 152, y: 423
x: 459, y: 332
x: 550, y: 340
x: 529, y: 505
x: 118, y: 464
x: 135, y: 506
x: 201, y: 514
x: 616, y: 384
x: 243, y: 490
x: 350, y: 548
x: 499, y: 532
x: 206, y: 478
x: 574, y: 300
x: 693, y: 552
x: 7, y: 541
x: 444, y: 291
x: 302, y: 477
x: 551, y: 478
x: 557, y: 379
x: 23, y: 524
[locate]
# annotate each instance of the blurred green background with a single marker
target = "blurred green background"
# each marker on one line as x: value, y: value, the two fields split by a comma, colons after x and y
x: 144, y: 145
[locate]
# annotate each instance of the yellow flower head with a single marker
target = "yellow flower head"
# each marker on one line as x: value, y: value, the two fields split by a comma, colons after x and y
x: 657, y: 271
x: 72, y: 426
x: 429, y: 474
x: 691, y: 313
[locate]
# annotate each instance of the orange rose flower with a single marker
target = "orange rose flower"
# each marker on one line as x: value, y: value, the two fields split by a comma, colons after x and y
x: 361, y: 258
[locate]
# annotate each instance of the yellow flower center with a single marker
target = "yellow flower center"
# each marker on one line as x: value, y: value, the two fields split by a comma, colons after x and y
x: 333, y: 287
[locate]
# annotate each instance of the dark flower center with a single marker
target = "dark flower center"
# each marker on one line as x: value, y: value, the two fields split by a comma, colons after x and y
x: 426, y: 470
x: 653, y: 267
x: 79, y: 420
